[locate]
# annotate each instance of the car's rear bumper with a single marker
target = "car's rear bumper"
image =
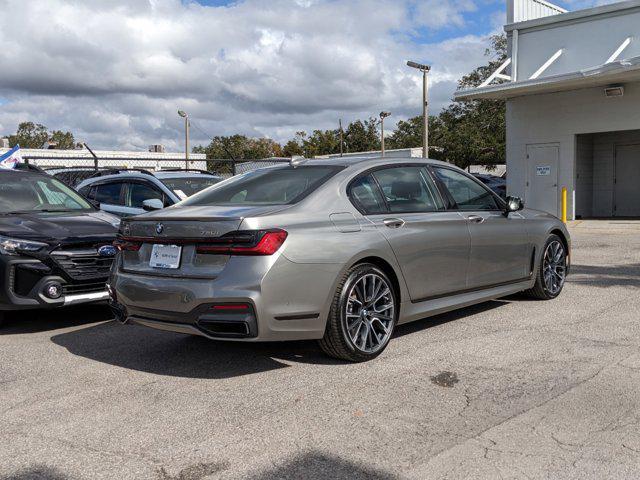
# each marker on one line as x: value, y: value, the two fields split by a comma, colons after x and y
x: 286, y: 300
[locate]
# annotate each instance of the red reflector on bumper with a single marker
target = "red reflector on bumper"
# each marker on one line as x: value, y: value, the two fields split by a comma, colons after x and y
x: 231, y: 306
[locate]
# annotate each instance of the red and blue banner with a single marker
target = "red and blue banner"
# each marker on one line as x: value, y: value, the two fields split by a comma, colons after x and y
x: 11, y: 158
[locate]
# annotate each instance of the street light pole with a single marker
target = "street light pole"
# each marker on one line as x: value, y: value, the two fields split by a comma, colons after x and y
x: 184, y: 115
x: 425, y: 105
x: 383, y: 115
x: 341, y: 135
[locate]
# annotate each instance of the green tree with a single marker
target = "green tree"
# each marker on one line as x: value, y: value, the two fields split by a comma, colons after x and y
x: 29, y: 135
x: 362, y: 136
x: 239, y: 147
x: 294, y: 147
x: 63, y: 140
x: 408, y: 133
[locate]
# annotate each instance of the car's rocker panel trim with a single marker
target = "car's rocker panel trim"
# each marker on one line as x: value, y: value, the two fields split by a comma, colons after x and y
x: 473, y: 290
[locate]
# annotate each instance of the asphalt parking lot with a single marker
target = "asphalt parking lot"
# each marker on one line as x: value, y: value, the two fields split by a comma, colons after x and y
x: 507, y: 389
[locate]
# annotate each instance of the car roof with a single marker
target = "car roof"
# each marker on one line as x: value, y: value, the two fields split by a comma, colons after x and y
x: 358, y: 161
x: 183, y: 174
x: 18, y: 171
x: 126, y: 174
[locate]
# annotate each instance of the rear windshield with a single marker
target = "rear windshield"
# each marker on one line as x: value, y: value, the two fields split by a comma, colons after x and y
x: 266, y: 186
x: 184, y: 187
x: 37, y: 193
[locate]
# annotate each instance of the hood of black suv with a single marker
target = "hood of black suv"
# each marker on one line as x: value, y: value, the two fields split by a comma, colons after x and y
x: 60, y: 228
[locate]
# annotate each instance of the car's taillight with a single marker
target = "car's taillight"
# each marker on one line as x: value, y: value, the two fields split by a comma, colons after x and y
x: 261, y: 242
x: 126, y: 245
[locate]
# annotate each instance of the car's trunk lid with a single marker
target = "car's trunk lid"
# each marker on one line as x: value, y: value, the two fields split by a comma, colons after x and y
x: 185, y: 227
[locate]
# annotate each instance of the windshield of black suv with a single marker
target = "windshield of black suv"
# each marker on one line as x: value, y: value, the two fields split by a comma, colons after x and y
x: 27, y: 193
x: 184, y: 187
x: 265, y: 186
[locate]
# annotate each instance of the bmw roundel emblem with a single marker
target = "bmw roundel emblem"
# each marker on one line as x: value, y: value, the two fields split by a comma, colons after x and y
x: 159, y: 228
x: 107, y: 251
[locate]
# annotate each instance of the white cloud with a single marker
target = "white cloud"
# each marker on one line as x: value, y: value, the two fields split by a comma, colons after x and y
x: 115, y: 72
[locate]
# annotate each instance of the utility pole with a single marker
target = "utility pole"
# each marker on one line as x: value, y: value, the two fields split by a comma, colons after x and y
x: 184, y: 115
x: 341, y: 135
x: 383, y: 115
x: 425, y: 105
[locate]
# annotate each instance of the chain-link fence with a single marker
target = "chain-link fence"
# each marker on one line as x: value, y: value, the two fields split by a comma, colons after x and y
x: 74, y: 168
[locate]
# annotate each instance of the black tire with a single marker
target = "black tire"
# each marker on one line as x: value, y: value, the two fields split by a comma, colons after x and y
x: 541, y: 290
x: 337, y: 342
x: 2, y: 317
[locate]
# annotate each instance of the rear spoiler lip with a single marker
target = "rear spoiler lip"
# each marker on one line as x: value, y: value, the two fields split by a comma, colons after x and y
x: 142, y: 218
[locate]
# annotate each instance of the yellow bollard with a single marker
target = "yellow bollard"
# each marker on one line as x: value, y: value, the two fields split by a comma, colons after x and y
x: 564, y: 204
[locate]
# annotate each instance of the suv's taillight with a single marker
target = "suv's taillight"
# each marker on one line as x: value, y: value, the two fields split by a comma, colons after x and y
x: 258, y: 242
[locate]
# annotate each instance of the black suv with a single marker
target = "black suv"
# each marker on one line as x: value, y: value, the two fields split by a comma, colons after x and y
x: 55, y: 246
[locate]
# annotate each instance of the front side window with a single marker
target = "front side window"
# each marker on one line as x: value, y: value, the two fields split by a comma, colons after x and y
x: 266, y: 186
x: 139, y: 192
x: 408, y: 189
x: 109, y: 193
x: 29, y: 193
x: 467, y: 193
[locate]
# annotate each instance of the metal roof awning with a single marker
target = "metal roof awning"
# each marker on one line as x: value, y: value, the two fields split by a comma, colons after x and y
x: 620, y: 71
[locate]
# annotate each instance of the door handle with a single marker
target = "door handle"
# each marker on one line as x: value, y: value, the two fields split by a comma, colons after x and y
x: 393, y: 222
x: 475, y: 218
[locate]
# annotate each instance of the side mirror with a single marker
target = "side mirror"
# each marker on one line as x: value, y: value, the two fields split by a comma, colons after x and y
x: 95, y: 204
x: 514, y: 204
x: 152, y: 204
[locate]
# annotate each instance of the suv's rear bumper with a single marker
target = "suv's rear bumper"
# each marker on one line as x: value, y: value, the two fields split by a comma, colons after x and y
x: 288, y: 301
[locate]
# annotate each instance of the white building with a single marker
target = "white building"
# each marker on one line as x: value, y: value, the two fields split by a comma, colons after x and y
x: 572, y: 87
x: 50, y: 158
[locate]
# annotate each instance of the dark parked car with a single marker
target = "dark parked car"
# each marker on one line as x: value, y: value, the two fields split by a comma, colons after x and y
x: 495, y: 183
x: 55, y: 246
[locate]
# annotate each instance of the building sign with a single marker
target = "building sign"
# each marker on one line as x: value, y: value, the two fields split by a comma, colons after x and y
x: 543, y: 170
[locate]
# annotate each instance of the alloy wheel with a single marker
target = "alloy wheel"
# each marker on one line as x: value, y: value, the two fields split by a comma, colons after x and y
x: 370, y: 313
x: 554, y: 267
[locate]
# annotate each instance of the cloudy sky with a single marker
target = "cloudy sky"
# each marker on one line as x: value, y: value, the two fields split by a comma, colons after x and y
x: 115, y: 72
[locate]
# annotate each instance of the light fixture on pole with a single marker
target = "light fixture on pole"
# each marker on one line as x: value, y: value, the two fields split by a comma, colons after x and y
x: 383, y: 115
x: 425, y: 103
x: 184, y: 115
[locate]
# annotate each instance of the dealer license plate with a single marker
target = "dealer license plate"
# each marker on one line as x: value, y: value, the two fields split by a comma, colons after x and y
x: 165, y: 256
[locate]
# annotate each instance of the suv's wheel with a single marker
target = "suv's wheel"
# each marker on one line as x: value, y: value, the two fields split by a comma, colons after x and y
x: 552, y: 270
x: 363, y: 315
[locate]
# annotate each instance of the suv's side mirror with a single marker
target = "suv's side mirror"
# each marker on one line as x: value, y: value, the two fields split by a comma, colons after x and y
x: 514, y: 204
x: 94, y: 203
x: 152, y: 204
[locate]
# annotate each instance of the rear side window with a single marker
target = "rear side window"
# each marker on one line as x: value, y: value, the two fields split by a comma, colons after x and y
x: 467, y: 193
x: 267, y: 186
x: 109, y: 193
x: 366, y: 196
x: 408, y: 189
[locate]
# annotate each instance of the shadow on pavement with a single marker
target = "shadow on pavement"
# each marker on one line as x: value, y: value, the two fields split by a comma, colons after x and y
x: 308, y: 466
x: 32, y: 321
x: 173, y: 354
x: 167, y: 353
x: 320, y: 466
x: 606, y: 275
x: 38, y: 472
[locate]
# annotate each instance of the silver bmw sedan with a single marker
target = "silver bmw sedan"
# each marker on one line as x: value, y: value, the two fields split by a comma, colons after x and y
x: 338, y: 250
